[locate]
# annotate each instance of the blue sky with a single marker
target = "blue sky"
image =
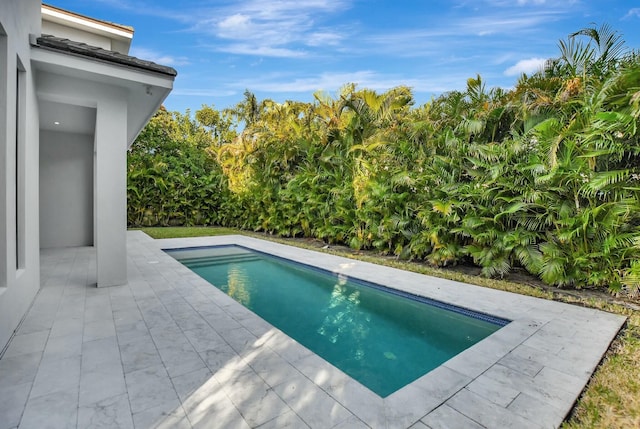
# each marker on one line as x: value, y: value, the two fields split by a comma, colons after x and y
x: 288, y: 49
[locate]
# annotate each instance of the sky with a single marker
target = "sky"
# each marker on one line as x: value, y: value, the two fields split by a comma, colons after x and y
x: 289, y: 49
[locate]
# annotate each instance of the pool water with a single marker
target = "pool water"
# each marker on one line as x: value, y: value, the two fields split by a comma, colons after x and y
x: 383, y: 338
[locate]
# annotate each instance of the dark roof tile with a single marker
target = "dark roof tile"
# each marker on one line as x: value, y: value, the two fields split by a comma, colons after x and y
x: 82, y: 49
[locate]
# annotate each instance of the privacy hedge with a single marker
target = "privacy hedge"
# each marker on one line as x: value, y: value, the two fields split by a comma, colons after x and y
x: 545, y: 176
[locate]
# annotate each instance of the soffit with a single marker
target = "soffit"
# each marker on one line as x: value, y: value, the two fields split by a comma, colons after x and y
x: 75, y: 79
x: 82, y: 49
x: 66, y: 118
x: 86, y: 23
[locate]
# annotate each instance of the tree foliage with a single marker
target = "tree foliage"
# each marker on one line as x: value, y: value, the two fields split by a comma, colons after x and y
x: 544, y: 177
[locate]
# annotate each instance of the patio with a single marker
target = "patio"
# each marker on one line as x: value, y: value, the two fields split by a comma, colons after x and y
x: 169, y: 350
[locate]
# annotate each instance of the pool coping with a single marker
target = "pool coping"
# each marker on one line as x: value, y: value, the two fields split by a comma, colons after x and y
x: 527, y: 374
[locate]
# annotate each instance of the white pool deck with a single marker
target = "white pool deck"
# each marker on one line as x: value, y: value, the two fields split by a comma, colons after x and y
x: 168, y: 350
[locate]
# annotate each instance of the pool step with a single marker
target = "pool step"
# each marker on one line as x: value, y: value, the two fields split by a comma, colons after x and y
x: 219, y: 260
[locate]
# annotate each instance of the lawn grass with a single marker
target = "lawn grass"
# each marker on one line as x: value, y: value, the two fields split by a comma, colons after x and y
x: 612, y: 397
x: 187, y: 231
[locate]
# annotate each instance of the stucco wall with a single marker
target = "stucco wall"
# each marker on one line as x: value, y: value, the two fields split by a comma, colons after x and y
x: 58, y: 30
x: 110, y: 175
x: 66, y: 189
x: 18, y: 286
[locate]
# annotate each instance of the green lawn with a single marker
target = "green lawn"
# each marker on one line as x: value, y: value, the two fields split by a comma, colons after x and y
x: 612, y: 398
x: 187, y: 231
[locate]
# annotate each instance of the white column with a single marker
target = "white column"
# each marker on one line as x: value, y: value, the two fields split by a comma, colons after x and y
x: 111, y: 190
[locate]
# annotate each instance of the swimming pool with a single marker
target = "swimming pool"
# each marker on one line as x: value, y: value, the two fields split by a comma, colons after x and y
x: 381, y: 337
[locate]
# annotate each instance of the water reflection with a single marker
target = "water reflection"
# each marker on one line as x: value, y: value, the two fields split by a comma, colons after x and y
x: 344, y: 320
x: 237, y: 280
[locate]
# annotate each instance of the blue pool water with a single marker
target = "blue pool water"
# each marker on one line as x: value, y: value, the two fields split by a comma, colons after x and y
x: 383, y: 338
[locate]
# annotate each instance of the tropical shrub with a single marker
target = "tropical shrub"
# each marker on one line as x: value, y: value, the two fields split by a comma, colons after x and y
x: 544, y: 177
x: 172, y: 178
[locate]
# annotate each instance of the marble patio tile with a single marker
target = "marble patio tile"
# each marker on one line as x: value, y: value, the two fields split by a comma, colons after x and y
x: 188, y: 383
x: 169, y: 415
x: 311, y: 403
x: 27, y: 343
x: 288, y: 419
x: 100, y: 383
x: 180, y: 358
x: 63, y: 347
x: 221, y: 322
x: 445, y: 417
x: 36, y: 322
x: 548, y: 390
x: 57, y: 375
x: 210, y: 406
x: 521, y: 364
x: 352, y: 422
x: 98, y: 353
x: 285, y: 346
x: 131, y: 331
x: 190, y: 321
x: 14, y: 398
x: 57, y: 410
x: 487, y: 413
x: 98, y: 329
x: 495, y: 391
x: 205, y: 338
x: 219, y: 358
x: 96, y: 312
x: 108, y: 413
x: 239, y: 339
x: 536, y: 410
x: 167, y: 336
x: 273, y: 368
x: 407, y: 405
x: 139, y: 354
x: 19, y: 369
x: 573, y: 365
x: 66, y: 326
x: 149, y: 387
x: 261, y: 406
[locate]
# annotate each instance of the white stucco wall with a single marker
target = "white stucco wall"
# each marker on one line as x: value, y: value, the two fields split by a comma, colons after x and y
x: 66, y: 189
x: 63, y: 23
x: 110, y: 163
x: 123, y: 99
x: 111, y: 189
x: 18, y: 18
x: 75, y: 34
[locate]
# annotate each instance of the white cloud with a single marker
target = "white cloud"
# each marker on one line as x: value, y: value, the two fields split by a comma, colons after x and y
x: 261, y: 51
x: 508, y: 23
x: 202, y: 92
x: 271, y: 28
x: 332, y: 81
x: 157, y: 57
x: 530, y: 65
x: 633, y: 13
x: 235, y: 26
x: 324, y: 38
x: 510, y: 3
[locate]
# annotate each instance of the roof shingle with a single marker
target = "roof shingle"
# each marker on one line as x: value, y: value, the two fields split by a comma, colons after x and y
x: 65, y: 45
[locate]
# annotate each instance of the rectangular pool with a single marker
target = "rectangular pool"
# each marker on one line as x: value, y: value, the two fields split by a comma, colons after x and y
x: 382, y: 337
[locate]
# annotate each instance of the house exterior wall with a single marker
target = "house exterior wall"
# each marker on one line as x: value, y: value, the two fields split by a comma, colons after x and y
x: 111, y: 190
x: 36, y: 78
x: 105, y: 35
x: 110, y: 176
x: 76, y: 34
x: 19, y: 228
x: 66, y: 189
